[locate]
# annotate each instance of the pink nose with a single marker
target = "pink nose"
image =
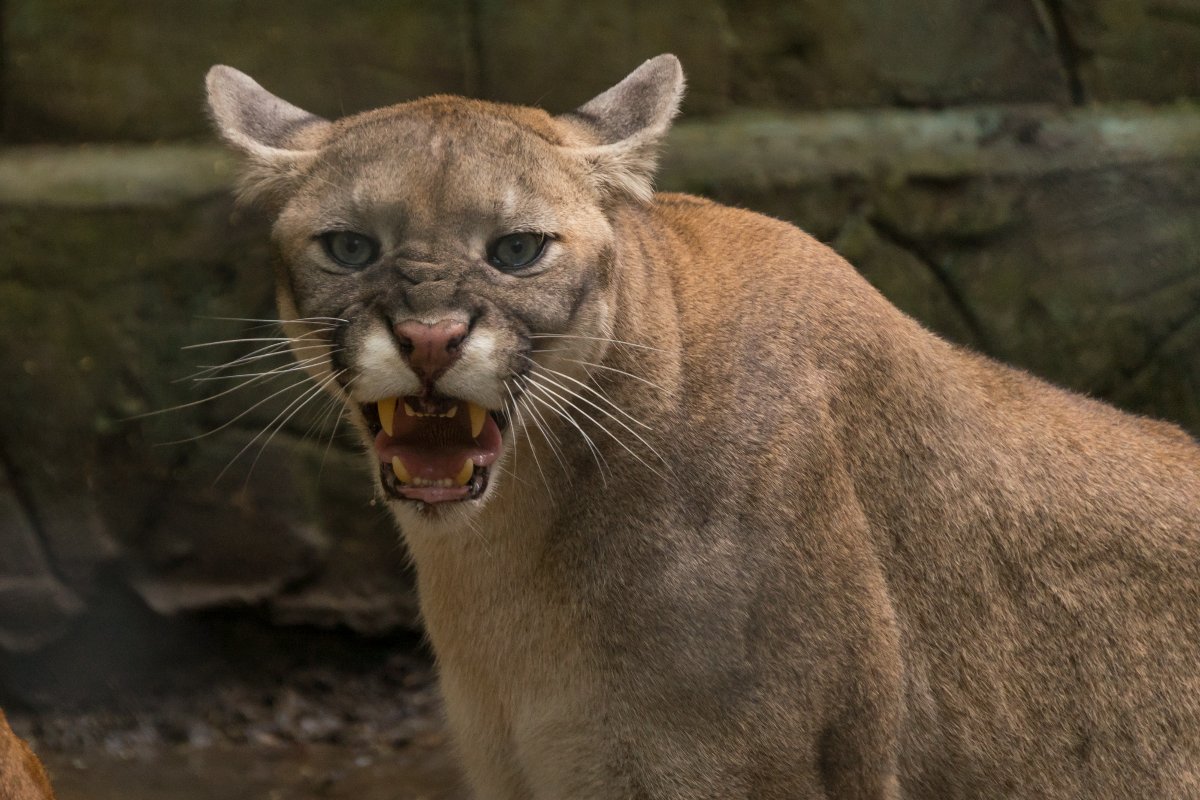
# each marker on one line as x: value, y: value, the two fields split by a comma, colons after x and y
x: 431, y: 349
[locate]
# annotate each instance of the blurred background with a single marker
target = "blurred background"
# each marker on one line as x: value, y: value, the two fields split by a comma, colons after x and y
x: 1021, y: 175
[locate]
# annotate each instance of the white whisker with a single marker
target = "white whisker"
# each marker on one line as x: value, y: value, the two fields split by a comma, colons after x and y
x: 528, y: 440
x: 508, y: 412
x: 337, y: 423
x: 513, y: 475
x: 557, y: 408
x: 227, y: 423
x: 267, y: 349
x: 530, y: 378
x: 203, y: 400
x: 545, y: 428
x: 474, y: 526
x: 278, y: 339
x: 258, y: 355
x: 291, y: 366
x: 594, y: 339
x: 618, y: 371
x: 330, y: 322
x: 322, y: 417
x: 591, y: 389
x: 270, y: 351
x: 294, y: 406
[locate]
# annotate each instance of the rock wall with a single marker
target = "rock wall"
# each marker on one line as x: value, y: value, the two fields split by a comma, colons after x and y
x: 1023, y: 176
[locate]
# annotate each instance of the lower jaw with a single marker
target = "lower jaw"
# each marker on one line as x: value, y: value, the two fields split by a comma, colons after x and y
x: 474, y: 489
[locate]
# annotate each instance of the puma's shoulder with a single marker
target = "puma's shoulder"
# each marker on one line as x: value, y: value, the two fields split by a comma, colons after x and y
x: 761, y: 253
x: 700, y: 220
x: 737, y: 270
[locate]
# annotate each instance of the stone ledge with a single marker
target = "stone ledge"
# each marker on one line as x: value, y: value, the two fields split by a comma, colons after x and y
x: 102, y: 176
x: 774, y: 151
x: 129, y: 70
x: 760, y: 151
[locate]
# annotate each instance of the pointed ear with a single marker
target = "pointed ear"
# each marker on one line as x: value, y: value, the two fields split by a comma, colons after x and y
x: 277, y: 138
x: 630, y: 120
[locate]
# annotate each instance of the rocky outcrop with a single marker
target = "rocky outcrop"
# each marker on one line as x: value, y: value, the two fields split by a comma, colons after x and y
x: 112, y: 70
x: 1063, y: 242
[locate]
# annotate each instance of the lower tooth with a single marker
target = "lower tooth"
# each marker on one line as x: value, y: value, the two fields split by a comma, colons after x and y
x: 464, y: 474
x: 400, y: 471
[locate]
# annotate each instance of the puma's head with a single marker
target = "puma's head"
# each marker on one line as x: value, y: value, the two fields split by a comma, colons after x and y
x: 428, y: 252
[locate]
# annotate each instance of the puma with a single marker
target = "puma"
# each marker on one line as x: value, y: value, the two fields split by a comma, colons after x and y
x: 696, y: 512
x: 22, y: 776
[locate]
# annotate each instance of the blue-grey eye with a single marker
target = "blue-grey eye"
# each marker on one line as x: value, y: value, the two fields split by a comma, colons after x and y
x: 516, y: 250
x: 350, y: 249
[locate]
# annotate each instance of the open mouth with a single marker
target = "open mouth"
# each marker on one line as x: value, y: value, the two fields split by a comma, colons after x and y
x: 434, y: 449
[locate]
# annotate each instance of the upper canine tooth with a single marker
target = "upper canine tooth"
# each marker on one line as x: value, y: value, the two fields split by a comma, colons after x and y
x: 409, y: 409
x: 478, y: 415
x: 387, y: 413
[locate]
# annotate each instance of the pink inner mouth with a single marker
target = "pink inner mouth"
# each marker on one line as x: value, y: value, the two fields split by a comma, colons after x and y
x: 433, y: 449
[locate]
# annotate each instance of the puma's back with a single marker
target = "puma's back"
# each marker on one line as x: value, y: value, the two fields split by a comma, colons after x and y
x: 695, y: 511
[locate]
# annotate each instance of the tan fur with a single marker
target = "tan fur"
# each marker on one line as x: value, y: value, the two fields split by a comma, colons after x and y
x: 22, y: 776
x: 868, y: 564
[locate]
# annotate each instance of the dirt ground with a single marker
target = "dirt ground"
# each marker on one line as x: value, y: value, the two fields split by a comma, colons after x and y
x: 251, y: 772
x: 239, y: 713
x: 327, y: 736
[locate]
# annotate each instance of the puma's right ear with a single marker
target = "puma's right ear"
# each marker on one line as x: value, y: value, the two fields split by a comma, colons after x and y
x: 277, y: 138
x: 630, y: 120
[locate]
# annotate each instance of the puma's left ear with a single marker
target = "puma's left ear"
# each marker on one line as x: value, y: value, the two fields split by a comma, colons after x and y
x: 630, y: 120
